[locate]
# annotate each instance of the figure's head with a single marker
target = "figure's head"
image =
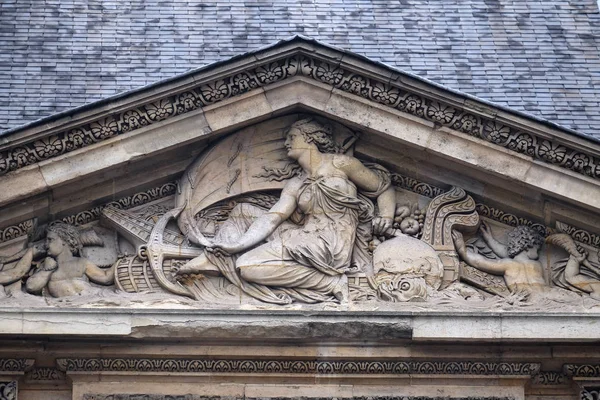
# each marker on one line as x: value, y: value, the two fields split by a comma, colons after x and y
x: 61, y: 236
x: 523, y: 238
x: 306, y: 133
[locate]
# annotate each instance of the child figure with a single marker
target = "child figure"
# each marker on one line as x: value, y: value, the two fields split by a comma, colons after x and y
x: 63, y: 271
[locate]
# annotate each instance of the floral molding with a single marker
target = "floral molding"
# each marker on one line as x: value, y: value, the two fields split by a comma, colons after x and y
x: 318, y: 67
x: 15, y: 231
x: 15, y: 365
x: 84, y: 217
x: 45, y: 375
x: 296, y: 366
x: 582, y: 370
x: 548, y: 378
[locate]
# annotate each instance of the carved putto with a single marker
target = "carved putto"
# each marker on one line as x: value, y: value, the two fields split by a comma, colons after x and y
x: 293, y: 214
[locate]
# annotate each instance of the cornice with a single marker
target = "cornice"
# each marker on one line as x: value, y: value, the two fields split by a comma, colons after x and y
x: 255, y: 366
x: 332, y: 67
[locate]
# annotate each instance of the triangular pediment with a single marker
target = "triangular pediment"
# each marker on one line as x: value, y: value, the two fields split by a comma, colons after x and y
x: 209, y: 133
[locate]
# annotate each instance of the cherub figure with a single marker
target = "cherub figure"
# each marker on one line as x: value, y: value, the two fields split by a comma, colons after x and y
x: 576, y: 272
x: 64, y: 272
x: 518, y: 260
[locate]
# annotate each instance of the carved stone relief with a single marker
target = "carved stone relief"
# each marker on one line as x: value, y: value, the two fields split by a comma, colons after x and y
x: 298, y: 217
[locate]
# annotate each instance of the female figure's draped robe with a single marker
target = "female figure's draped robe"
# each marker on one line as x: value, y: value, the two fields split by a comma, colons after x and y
x: 304, y: 261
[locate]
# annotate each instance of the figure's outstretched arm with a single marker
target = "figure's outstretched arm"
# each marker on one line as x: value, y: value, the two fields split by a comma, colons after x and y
x: 23, y: 266
x: 266, y: 224
x: 99, y: 275
x: 498, y: 248
x: 496, y: 267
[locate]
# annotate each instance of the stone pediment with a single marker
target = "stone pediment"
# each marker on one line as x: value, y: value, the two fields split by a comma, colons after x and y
x: 413, y: 198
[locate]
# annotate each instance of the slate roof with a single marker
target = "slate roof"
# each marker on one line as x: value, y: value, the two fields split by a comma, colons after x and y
x: 537, y: 56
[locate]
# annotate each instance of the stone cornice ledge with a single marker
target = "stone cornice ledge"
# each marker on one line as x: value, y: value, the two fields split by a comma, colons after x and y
x: 351, y: 326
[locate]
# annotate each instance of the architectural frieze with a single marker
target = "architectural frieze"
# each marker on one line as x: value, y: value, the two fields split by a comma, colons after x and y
x: 580, y: 235
x: 296, y: 366
x: 431, y: 191
x: 328, y: 70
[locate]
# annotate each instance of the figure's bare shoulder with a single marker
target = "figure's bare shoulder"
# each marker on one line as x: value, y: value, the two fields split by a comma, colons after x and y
x: 344, y: 162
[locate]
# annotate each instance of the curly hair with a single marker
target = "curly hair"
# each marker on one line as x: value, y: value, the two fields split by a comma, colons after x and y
x: 68, y: 234
x: 523, y: 238
x: 318, y: 133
